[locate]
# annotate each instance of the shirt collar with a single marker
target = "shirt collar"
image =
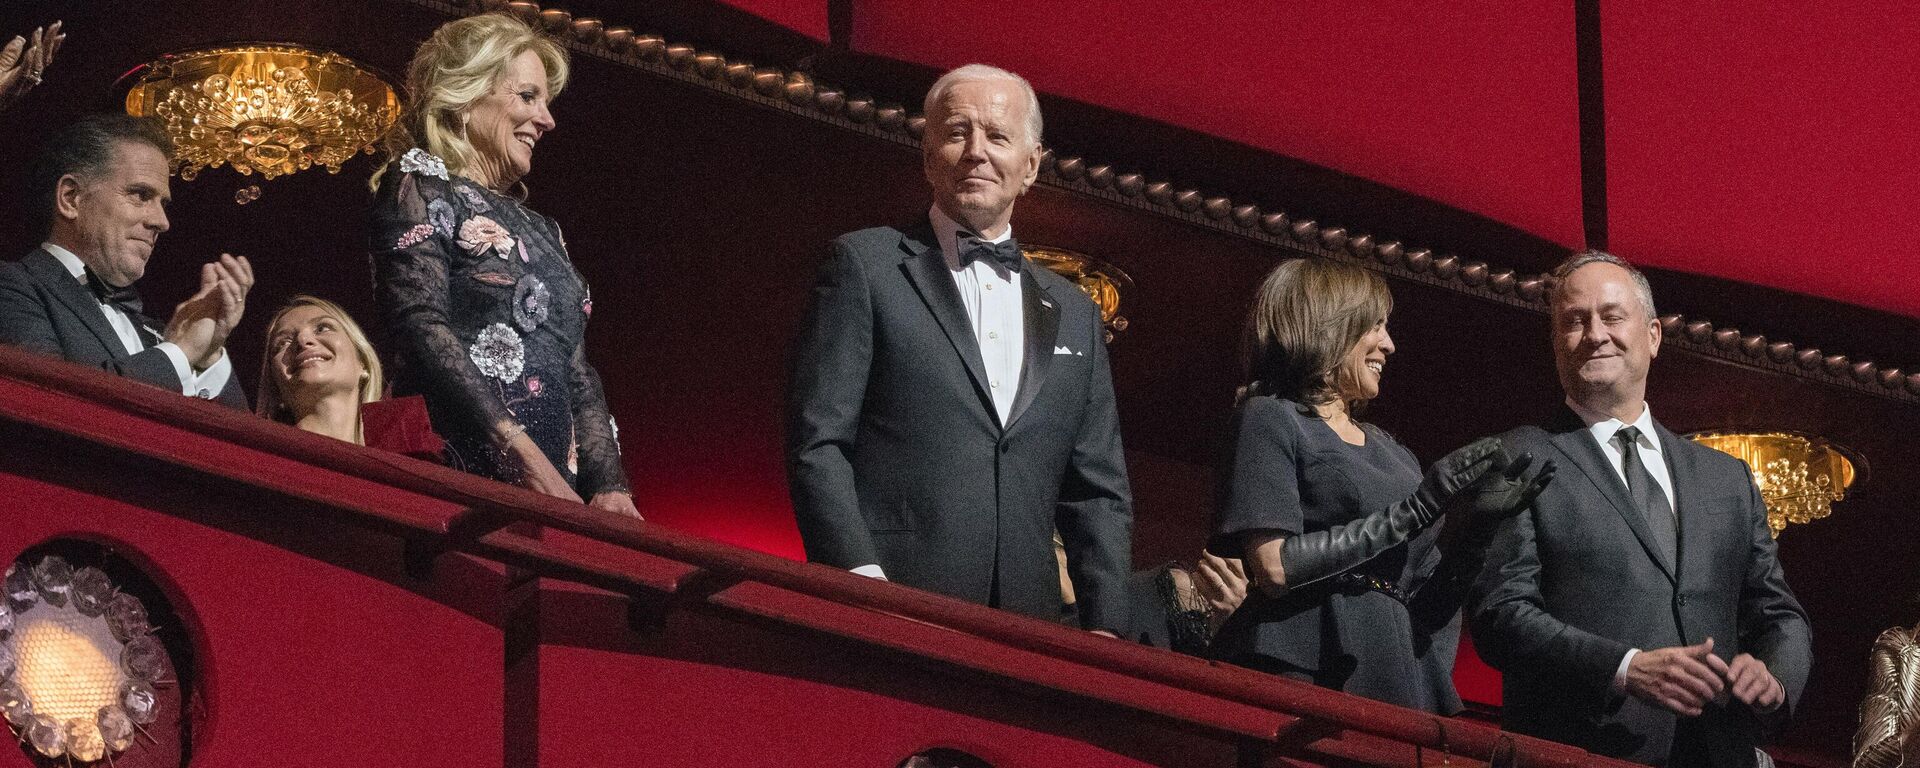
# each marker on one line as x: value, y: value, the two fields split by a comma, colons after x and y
x: 74, y: 265
x: 947, y: 231
x: 1603, y: 427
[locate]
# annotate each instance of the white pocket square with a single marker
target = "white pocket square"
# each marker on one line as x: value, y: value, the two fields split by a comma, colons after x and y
x: 1065, y: 351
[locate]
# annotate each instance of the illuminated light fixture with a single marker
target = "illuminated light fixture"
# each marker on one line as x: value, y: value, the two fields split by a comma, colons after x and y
x: 1099, y: 280
x: 1800, y: 478
x: 78, y: 661
x: 269, y: 109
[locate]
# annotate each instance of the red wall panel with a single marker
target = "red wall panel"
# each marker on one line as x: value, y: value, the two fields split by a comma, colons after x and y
x: 1477, y: 110
x: 1773, y: 145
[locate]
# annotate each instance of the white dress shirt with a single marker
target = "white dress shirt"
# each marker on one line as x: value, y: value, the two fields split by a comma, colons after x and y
x: 991, y: 294
x: 205, y: 385
x: 1652, y: 456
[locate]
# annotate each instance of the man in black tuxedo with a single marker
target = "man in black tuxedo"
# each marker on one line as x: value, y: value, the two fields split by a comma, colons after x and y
x: 100, y: 191
x: 1638, y: 610
x: 950, y: 404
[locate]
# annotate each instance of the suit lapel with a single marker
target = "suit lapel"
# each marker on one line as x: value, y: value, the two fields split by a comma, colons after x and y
x: 1573, y: 440
x: 62, y: 284
x: 1691, y: 528
x: 927, y: 270
x: 1042, y: 329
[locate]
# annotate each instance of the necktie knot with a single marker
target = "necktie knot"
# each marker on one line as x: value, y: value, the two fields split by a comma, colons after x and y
x: 1628, y: 436
x: 126, y: 299
x: 1007, y: 251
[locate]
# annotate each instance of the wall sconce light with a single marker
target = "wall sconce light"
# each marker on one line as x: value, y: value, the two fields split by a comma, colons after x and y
x: 78, y: 661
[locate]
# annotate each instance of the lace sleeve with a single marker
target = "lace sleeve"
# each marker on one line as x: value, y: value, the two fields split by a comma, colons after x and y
x: 601, y: 469
x: 412, y: 238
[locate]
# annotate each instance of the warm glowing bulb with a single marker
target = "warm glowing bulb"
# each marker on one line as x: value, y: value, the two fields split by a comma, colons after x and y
x: 69, y: 663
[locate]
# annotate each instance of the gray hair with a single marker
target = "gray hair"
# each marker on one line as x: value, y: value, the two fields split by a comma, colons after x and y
x: 972, y: 73
x: 1640, y: 286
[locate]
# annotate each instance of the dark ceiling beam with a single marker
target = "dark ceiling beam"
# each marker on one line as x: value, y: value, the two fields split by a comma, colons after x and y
x: 1593, y: 122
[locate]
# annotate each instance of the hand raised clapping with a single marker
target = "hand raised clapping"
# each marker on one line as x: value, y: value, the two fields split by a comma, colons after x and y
x: 201, y: 324
x: 24, y: 60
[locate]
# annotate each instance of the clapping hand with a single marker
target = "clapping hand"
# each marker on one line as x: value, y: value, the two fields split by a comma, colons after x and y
x: 23, y: 60
x: 201, y: 324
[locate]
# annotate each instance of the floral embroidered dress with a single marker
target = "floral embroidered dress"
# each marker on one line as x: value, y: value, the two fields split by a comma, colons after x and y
x: 486, y: 317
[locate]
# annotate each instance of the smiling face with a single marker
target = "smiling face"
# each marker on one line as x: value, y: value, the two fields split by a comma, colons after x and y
x: 1360, y: 369
x: 504, y: 125
x: 312, y: 355
x: 111, y: 219
x: 978, y: 153
x: 1604, y: 337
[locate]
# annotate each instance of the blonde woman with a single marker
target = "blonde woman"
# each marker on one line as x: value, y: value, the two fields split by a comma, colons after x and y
x: 319, y: 369
x: 1355, y: 588
x: 486, y: 313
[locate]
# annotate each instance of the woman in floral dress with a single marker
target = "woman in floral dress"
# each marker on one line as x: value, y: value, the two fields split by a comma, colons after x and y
x: 485, y: 315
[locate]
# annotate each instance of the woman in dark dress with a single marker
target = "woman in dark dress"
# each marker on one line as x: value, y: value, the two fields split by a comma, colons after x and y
x: 486, y: 315
x: 1355, y: 588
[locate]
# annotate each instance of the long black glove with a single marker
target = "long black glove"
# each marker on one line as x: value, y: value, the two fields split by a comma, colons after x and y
x: 1316, y: 555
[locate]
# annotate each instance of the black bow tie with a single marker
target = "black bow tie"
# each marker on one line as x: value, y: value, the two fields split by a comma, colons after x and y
x: 1007, y: 251
x: 127, y: 299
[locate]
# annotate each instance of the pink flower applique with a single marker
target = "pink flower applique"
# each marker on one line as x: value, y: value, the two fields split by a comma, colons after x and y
x: 534, y: 386
x: 414, y: 236
x: 481, y: 233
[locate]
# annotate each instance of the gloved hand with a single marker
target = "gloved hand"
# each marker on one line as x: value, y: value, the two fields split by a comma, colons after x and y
x: 1474, y: 513
x: 1315, y: 555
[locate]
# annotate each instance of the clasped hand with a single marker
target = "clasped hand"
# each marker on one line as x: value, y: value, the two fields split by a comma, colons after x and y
x: 200, y: 324
x: 1683, y: 679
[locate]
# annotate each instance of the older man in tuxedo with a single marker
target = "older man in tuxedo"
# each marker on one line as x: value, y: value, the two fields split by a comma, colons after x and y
x: 950, y: 404
x: 1638, y: 610
x: 100, y: 192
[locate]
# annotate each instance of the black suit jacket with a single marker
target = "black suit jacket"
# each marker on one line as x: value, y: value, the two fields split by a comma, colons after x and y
x: 44, y: 309
x: 1573, y: 583
x: 896, y: 456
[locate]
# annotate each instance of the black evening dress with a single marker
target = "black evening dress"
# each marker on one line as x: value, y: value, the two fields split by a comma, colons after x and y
x: 1388, y: 629
x: 486, y: 317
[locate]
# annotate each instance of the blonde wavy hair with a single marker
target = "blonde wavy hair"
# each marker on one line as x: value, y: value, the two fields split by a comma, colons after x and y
x: 272, y: 403
x: 455, y: 68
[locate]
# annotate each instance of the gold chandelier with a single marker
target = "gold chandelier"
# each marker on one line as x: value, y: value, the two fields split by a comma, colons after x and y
x: 1799, y: 478
x: 268, y: 109
x: 1099, y: 280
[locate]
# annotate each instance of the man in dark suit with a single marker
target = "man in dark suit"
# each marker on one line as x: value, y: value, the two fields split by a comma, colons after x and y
x: 950, y: 404
x: 1638, y: 610
x: 99, y: 189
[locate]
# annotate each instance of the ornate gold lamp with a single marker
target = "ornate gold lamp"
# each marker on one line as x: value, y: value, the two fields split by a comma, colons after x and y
x: 1800, y: 478
x: 270, y: 109
x: 1099, y: 280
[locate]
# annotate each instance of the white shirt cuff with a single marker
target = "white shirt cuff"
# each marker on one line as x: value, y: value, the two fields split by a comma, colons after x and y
x: 870, y: 570
x: 212, y: 381
x: 181, y: 369
x: 1620, y: 674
